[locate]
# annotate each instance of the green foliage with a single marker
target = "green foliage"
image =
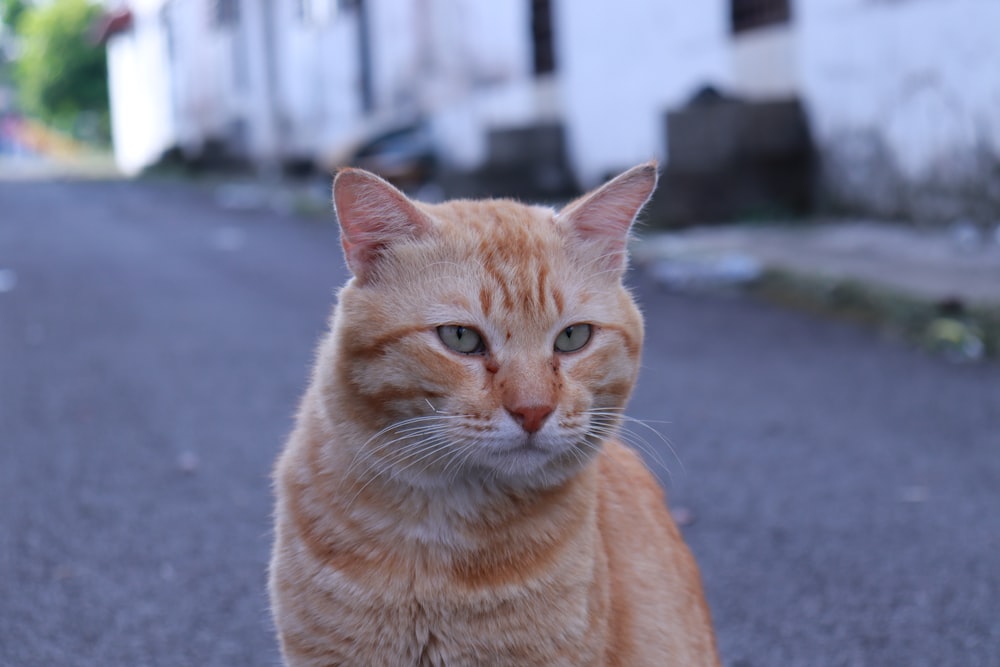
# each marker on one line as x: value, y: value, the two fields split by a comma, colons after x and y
x: 62, y: 73
x: 11, y: 12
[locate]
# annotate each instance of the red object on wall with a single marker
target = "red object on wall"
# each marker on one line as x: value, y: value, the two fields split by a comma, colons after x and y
x: 113, y: 23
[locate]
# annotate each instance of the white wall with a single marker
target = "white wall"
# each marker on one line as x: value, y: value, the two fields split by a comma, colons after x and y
x: 206, y: 89
x: 317, y: 79
x: 142, y: 123
x: 464, y: 63
x: 175, y: 80
x: 479, y: 75
x: 765, y: 63
x: 913, y: 83
x: 395, y: 58
x: 910, y: 87
x: 622, y: 64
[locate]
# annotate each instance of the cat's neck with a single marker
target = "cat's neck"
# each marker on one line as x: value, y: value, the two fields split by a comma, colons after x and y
x: 467, y: 514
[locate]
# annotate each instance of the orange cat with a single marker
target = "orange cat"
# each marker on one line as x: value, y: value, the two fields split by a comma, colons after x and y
x: 453, y: 493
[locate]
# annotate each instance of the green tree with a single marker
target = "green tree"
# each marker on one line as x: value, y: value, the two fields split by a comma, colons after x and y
x: 11, y: 12
x: 61, y: 73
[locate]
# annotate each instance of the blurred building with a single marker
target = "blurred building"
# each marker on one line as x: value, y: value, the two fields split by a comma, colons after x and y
x: 896, y: 93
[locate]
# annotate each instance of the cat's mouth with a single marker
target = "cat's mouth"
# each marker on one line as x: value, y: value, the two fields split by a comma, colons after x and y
x: 533, y: 458
x: 526, y: 447
x: 531, y: 448
x: 527, y: 444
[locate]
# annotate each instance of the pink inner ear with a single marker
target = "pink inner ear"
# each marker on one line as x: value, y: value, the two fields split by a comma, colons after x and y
x: 372, y: 215
x: 602, y: 219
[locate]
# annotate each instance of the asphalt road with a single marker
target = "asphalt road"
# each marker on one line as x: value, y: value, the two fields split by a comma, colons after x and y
x: 844, y: 489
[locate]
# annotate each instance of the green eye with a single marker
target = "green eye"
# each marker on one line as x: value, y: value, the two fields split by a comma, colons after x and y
x: 573, y: 338
x: 461, y: 339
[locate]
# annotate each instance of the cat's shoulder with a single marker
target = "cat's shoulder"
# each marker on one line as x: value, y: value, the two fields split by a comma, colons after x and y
x: 631, y: 499
x: 622, y: 465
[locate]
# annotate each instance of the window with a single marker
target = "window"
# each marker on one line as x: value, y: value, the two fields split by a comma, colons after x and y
x: 751, y: 14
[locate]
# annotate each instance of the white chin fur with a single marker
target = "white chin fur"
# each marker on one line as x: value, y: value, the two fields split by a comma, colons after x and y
x: 549, y: 456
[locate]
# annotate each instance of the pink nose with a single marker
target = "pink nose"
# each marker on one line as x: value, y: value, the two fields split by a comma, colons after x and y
x: 530, y: 417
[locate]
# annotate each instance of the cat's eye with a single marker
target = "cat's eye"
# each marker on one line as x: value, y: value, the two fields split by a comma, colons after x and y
x: 572, y: 338
x: 461, y: 339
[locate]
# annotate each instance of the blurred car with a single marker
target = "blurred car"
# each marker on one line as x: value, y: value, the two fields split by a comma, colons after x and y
x: 404, y: 155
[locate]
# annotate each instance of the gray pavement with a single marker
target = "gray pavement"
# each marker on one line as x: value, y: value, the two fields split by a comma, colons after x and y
x: 842, y: 487
x: 958, y: 262
x: 32, y: 167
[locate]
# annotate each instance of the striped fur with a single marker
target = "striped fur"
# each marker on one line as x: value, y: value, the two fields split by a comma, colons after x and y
x: 440, y: 508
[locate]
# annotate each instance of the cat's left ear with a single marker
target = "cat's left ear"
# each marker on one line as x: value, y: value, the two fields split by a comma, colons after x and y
x: 600, y: 220
x: 373, y: 215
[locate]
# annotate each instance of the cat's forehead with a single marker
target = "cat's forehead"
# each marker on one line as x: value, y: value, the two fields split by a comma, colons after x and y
x: 500, y: 236
x: 499, y: 219
x: 501, y: 259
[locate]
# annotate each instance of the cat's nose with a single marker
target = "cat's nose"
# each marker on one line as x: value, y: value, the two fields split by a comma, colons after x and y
x: 530, y: 417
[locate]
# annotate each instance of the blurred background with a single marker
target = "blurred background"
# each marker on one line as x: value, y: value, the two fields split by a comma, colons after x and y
x: 755, y: 107
x: 819, y: 270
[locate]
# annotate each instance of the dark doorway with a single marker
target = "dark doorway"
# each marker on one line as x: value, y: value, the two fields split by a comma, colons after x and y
x: 541, y: 37
x: 751, y: 14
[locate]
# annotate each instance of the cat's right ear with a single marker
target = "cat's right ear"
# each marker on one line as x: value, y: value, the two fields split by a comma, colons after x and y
x: 372, y: 215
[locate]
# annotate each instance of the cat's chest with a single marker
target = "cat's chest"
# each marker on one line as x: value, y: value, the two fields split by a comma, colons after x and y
x: 425, y: 617
x: 485, y: 636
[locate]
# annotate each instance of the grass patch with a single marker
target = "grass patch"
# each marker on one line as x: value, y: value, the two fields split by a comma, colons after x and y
x: 958, y: 330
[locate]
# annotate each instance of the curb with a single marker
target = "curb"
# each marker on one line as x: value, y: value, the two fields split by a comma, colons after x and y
x: 959, y: 332
x: 920, y: 286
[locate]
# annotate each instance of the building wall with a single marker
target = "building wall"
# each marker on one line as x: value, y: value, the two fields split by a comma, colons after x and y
x: 904, y: 99
x: 902, y: 94
x: 317, y: 78
x: 396, y: 66
x: 142, y: 121
x: 764, y: 63
x: 622, y: 64
x: 178, y: 80
x: 464, y: 65
x: 210, y: 82
x: 478, y: 74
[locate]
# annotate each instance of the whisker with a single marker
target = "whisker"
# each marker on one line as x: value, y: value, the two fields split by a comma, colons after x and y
x: 630, y: 437
x: 420, y: 436
x: 389, y: 469
x: 412, y: 427
x: 460, y: 455
x: 663, y: 438
x: 637, y: 441
x: 426, y: 449
x: 469, y: 445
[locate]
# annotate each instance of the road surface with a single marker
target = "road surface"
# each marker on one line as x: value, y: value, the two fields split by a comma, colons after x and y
x: 841, y: 490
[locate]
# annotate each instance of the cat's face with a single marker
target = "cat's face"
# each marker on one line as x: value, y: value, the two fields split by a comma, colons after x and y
x: 485, y: 339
